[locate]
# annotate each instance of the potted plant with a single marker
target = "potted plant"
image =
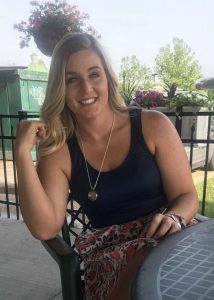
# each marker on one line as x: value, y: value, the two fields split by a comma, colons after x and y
x: 49, y: 21
x: 193, y: 99
x: 186, y: 102
x: 155, y: 100
x: 149, y: 99
x: 183, y: 101
x: 193, y: 102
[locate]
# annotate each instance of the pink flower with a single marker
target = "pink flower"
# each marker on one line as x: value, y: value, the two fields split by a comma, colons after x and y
x: 149, y: 98
x: 37, y: 23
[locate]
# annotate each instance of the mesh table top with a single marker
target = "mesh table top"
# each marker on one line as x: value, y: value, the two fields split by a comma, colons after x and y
x: 181, y: 267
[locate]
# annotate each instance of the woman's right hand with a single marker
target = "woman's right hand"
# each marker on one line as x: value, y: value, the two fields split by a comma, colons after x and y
x: 28, y: 133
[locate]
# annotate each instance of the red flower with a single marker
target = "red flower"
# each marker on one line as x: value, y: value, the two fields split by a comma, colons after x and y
x: 154, y: 104
x: 91, y: 275
x: 126, y: 227
x: 130, y: 251
x: 116, y: 255
x: 90, y: 238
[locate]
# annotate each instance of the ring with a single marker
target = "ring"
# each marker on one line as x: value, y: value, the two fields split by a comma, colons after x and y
x: 174, y: 219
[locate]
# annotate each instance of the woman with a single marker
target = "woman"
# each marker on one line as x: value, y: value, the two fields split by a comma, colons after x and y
x: 126, y: 167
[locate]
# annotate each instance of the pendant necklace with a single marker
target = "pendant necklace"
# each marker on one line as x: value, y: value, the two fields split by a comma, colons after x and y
x: 92, y: 194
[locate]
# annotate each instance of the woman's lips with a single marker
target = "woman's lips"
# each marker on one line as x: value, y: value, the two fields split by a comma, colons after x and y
x: 87, y: 101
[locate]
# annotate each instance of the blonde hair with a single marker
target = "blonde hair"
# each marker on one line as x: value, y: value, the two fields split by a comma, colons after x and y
x: 56, y: 115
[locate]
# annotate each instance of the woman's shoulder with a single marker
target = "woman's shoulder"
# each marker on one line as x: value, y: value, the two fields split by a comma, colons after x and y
x: 154, y: 119
x: 156, y: 127
x: 153, y: 115
x: 148, y: 115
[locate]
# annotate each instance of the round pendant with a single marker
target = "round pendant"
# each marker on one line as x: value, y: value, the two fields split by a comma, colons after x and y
x: 92, y: 195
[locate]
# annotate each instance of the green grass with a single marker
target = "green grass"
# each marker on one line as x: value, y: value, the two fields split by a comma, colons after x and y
x: 209, y: 203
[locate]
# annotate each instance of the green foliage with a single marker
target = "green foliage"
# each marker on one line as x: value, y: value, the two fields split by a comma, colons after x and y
x: 177, y: 67
x: 193, y: 99
x: 209, y: 206
x: 189, y: 99
x: 133, y: 76
x: 210, y: 97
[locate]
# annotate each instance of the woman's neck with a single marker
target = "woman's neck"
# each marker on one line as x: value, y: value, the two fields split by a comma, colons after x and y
x: 96, y: 128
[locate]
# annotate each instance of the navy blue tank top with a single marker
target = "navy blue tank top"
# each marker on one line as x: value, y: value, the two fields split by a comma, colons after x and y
x: 132, y: 190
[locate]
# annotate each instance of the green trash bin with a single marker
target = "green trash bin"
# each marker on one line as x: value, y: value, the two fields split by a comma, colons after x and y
x: 20, y: 89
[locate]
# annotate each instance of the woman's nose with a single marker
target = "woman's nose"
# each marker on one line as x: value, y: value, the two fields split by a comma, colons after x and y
x: 87, y: 86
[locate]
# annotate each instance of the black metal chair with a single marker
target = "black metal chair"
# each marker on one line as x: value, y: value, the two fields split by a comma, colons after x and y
x: 62, y: 250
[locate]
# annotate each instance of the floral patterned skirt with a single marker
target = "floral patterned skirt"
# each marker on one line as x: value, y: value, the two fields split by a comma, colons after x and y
x: 106, y: 252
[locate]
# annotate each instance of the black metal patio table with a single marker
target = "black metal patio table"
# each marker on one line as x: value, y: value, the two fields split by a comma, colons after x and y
x: 180, y: 267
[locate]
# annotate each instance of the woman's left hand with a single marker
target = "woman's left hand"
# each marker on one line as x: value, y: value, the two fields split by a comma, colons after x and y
x: 161, y: 226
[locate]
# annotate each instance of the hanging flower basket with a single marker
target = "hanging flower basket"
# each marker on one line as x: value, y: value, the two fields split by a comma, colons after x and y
x: 49, y: 21
x: 47, y: 38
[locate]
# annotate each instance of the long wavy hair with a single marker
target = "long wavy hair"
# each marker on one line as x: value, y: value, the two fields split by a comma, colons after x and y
x: 58, y: 118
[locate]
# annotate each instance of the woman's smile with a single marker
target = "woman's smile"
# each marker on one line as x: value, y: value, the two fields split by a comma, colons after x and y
x: 88, y: 101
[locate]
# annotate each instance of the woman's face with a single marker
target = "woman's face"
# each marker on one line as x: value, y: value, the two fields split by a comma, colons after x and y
x: 86, y: 84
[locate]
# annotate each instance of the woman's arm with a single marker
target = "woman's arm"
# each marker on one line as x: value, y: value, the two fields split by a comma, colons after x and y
x: 163, y: 141
x: 42, y: 195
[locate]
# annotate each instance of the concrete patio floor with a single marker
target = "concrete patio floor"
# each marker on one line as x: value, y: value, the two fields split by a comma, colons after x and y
x: 27, y: 272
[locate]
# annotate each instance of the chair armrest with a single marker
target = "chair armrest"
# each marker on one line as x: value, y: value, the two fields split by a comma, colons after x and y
x: 201, y: 218
x: 58, y: 248
x: 69, y: 265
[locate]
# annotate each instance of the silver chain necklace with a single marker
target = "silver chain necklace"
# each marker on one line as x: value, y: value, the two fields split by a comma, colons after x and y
x: 92, y: 194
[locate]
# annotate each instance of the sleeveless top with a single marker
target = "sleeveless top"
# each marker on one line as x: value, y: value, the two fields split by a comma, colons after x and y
x: 128, y: 192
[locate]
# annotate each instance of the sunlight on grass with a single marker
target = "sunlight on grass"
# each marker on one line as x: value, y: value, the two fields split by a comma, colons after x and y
x: 209, y: 204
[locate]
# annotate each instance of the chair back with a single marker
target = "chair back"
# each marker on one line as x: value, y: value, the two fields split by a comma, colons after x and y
x: 75, y: 223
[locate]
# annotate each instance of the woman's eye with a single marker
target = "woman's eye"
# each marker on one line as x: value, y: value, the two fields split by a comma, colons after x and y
x: 71, y: 80
x: 94, y: 75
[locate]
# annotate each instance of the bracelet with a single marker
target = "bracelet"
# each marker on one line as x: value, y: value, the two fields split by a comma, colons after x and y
x: 177, y: 218
x: 150, y: 243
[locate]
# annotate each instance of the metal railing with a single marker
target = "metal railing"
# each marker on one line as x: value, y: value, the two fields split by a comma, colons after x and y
x: 207, y: 141
x: 9, y: 202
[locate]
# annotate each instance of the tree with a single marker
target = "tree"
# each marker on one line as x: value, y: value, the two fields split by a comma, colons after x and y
x: 133, y: 76
x: 177, y: 67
